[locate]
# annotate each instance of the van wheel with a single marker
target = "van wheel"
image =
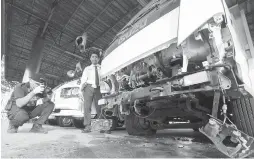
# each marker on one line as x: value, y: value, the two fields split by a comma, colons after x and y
x: 243, y: 110
x: 64, y: 121
x: 78, y: 123
x: 138, y: 126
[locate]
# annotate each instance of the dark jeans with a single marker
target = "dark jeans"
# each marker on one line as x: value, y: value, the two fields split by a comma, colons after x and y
x: 90, y: 95
x: 19, y: 116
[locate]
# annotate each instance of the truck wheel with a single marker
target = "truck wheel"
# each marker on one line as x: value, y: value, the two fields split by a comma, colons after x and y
x: 64, y: 121
x: 78, y: 123
x: 195, y: 129
x: 243, y: 114
x: 138, y: 126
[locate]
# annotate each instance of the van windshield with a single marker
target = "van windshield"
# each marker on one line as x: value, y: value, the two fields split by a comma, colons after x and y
x: 69, y: 92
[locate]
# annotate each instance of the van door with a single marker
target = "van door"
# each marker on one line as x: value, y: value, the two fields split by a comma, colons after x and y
x: 68, y: 98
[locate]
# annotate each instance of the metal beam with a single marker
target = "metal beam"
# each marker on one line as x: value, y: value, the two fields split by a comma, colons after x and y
x: 19, y: 74
x: 16, y: 70
x: 94, y: 20
x: 116, y: 23
x: 72, y: 16
x: 8, y: 36
x: 101, y: 8
x: 3, y: 29
x: 54, y: 64
x: 66, y: 52
x: 25, y: 24
x: 75, y: 55
x: 46, y: 62
x: 143, y: 3
x: 10, y: 44
x: 50, y: 75
x: 24, y: 34
x: 53, y: 7
x: 18, y: 57
x: 26, y: 12
x: 52, y: 37
x: 36, y: 16
x: 72, y: 54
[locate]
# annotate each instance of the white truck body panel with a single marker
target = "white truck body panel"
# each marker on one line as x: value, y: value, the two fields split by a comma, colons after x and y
x: 154, y: 35
x: 194, y: 13
x: 245, y: 68
x: 159, y: 34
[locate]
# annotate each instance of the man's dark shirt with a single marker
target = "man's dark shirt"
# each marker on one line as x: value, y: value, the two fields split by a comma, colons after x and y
x: 20, y: 91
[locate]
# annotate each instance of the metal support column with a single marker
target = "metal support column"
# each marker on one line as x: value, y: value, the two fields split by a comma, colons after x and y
x: 34, y: 63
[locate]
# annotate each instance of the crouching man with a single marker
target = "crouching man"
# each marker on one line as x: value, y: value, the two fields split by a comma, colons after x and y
x: 23, y: 105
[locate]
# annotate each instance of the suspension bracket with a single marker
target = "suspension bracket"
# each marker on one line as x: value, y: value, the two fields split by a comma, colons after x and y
x: 228, y: 139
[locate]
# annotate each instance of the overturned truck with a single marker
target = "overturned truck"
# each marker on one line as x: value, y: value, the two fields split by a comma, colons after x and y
x: 184, y: 64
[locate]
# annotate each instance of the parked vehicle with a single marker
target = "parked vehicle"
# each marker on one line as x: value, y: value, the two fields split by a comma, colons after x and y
x: 68, y: 109
x: 184, y: 61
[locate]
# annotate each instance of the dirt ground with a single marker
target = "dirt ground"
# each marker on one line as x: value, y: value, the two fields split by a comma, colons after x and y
x: 71, y: 143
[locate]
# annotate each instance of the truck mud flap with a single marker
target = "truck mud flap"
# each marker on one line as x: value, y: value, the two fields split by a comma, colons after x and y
x: 228, y: 139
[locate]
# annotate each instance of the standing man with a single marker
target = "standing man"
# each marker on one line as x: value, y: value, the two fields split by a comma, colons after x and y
x: 90, y: 90
x: 22, y: 106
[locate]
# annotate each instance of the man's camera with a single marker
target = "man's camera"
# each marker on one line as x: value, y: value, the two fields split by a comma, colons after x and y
x: 46, y: 91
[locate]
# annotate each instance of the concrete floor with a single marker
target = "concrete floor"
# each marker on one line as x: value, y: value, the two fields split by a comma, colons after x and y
x: 71, y: 143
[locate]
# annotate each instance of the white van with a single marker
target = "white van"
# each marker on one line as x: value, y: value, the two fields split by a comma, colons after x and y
x: 68, y: 108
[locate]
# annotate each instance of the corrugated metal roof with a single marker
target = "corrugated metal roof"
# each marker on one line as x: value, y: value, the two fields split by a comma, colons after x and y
x: 101, y: 19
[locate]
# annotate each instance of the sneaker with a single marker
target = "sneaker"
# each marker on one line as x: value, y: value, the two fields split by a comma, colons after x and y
x: 87, y: 129
x: 12, y: 129
x: 37, y: 128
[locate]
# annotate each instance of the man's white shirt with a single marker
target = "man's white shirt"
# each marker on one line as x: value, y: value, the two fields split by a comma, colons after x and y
x: 88, y: 75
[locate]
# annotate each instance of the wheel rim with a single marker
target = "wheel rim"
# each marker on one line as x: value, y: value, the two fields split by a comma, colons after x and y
x: 67, y: 121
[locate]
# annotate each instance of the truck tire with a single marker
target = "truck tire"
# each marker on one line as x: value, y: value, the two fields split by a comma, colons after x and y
x: 78, y: 123
x: 64, y: 121
x: 243, y: 114
x: 138, y: 126
x: 196, y: 129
